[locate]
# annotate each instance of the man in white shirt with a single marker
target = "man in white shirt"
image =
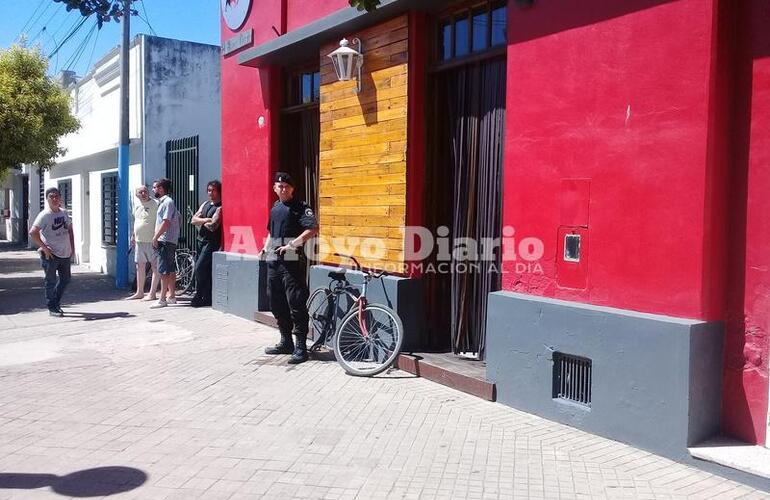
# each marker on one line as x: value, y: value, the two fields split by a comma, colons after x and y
x: 52, y: 233
x: 144, y: 214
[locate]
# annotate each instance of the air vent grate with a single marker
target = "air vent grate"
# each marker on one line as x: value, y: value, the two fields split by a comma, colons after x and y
x: 572, y: 378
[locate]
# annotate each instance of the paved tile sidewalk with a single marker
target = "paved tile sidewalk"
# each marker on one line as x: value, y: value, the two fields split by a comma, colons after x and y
x: 182, y: 404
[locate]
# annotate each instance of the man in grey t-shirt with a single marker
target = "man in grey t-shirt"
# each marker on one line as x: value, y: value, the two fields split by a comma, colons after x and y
x: 52, y: 233
x: 165, y: 241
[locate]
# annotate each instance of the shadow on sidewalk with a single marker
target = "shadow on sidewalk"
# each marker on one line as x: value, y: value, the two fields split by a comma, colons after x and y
x: 87, y: 316
x: 98, y: 482
x: 25, y: 293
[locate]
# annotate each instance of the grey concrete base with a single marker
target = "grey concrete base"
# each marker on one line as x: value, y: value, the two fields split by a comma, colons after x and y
x: 404, y: 295
x: 239, y: 284
x: 656, y: 380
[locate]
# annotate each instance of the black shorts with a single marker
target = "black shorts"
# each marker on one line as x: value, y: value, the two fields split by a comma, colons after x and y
x: 166, y: 257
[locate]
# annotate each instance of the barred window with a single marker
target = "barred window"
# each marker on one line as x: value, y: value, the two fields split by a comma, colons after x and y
x: 109, y: 208
x: 41, y: 187
x: 65, y: 192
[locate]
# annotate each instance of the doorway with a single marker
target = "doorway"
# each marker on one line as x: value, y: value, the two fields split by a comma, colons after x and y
x: 182, y: 169
x: 463, y: 179
x: 300, y: 131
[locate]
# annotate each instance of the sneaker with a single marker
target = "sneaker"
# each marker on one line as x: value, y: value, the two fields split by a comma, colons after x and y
x: 171, y: 301
x: 58, y: 313
x: 159, y: 304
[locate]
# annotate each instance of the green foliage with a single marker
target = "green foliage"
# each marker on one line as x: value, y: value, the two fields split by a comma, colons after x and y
x: 34, y: 111
x: 367, y: 5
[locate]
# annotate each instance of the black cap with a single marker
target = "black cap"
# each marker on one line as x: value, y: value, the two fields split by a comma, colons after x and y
x: 283, y: 177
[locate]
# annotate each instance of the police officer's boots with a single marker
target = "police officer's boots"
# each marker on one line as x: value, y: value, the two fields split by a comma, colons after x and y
x: 285, y: 346
x: 300, y: 350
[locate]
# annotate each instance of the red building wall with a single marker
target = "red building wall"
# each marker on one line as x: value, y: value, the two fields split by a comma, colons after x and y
x: 618, y: 126
x: 250, y: 150
x: 607, y: 127
x: 302, y: 12
x: 745, y: 389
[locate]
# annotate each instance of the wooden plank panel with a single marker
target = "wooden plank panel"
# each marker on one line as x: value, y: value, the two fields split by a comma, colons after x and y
x: 363, y: 201
x: 369, y: 130
x: 363, y: 190
x: 364, y: 98
x: 368, y: 180
x: 362, y: 160
x: 380, y: 115
x: 369, y: 108
x: 362, y: 183
x: 375, y: 211
x: 384, y: 169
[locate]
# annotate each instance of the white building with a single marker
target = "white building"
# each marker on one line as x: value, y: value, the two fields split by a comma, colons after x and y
x: 174, y: 126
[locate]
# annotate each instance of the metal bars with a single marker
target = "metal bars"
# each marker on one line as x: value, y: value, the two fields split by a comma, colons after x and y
x: 572, y: 377
x: 110, y: 208
x: 182, y: 169
x: 65, y: 192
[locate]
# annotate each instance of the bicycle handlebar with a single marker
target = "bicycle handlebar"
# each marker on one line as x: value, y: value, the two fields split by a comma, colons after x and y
x: 373, y: 274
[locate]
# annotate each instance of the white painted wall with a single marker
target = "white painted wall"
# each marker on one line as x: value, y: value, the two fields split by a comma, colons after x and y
x: 175, y: 88
x: 96, y: 103
x: 182, y: 99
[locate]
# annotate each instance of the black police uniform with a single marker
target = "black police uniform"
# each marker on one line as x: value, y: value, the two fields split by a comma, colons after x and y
x: 208, y: 243
x: 287, y: 290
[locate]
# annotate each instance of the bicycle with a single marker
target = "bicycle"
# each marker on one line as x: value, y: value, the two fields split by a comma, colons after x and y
x: 369, y: 336
x: 185, y: 270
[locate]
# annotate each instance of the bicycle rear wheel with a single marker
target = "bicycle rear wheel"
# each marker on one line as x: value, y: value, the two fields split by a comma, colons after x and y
x: 185, y: 272
x: 320, y: 308
x: 368, y: 345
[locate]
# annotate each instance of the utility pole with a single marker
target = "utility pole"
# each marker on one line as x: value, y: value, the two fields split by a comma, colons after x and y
x: 121, y: 268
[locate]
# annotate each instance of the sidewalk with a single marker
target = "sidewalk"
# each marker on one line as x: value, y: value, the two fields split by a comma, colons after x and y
x: 120, y: 401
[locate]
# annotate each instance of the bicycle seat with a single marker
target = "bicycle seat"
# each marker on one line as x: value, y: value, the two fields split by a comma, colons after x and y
x: 337, y: 275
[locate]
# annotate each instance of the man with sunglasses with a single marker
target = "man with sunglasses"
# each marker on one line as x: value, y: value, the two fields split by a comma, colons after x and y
x: 52, y: 233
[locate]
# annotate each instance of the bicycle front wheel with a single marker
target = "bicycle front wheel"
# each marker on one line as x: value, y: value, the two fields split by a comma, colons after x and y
x: 369, y: 343
x: 320, y: 308
x: 185, y: 272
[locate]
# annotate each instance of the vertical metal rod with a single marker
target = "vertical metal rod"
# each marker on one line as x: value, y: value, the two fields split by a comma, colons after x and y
x: 121, y: 268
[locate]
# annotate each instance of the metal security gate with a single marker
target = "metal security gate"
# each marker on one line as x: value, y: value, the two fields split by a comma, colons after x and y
x: 65, y: 193
x: 182, y: 169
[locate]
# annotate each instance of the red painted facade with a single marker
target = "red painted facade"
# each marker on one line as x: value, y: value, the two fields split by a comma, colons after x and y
x: 745, y: 388
x: 643, y: 125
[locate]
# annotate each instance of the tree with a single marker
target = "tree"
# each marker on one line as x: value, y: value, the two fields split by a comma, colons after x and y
x: 367, y: 5
x: 104, y: 10
x: 34, y: 110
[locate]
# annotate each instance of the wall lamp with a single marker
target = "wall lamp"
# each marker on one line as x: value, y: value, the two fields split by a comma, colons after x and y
x: 347, y: 60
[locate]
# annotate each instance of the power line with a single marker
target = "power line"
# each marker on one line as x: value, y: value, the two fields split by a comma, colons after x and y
x: 45, y: 25
x: 146, y: 19
x: 39, y: 16
x: 70, y: 35
x: 78, y: 53
x: 148, y: 24
x: 91, y: 57
x: 21, y: 32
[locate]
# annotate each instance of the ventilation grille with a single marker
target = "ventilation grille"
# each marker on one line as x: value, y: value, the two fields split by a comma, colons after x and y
x: 572, y: 378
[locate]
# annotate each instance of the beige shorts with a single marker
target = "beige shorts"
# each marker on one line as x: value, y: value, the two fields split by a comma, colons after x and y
x: 145, y: 253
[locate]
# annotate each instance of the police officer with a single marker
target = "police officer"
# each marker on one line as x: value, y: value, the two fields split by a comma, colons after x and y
x: 292, y: 223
